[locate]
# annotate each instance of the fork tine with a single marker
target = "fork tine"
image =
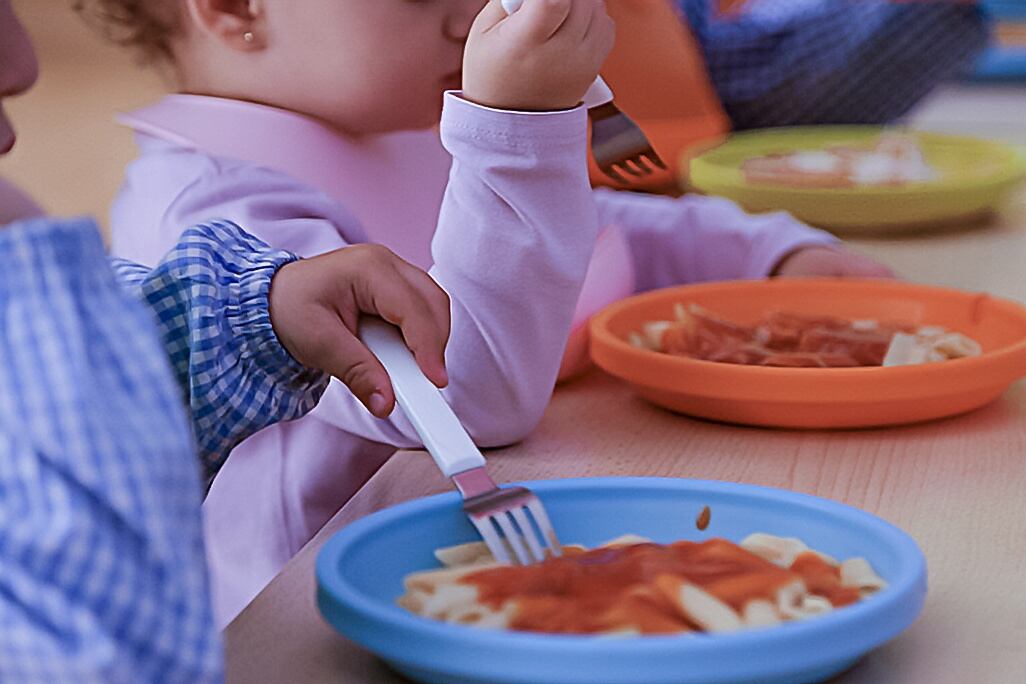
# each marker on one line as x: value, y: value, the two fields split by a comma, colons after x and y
x: 491, y: 538
x: 495, y: 512
x: 610, y: 170
x: 528, y: 530
x: 624, y: 165
x: 639, y: 162
x: 545, y: 525
x: 654, y: 157
x: 506, y: 524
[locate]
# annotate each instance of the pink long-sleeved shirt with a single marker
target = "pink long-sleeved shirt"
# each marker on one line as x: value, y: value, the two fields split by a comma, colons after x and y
x: 504, y: 218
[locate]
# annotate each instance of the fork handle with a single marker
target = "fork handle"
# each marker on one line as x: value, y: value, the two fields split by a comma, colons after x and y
x: 432, y: 418
x: 599, y: 93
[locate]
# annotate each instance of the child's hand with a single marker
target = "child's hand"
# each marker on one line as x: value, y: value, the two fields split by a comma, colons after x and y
x: 830, y: 262
x: 315, y: 306
x: 542, y: 57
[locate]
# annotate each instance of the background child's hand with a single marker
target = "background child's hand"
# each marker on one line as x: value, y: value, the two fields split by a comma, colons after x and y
x: 830, y: 262
x: 542, y: 57
x: 315, y: 305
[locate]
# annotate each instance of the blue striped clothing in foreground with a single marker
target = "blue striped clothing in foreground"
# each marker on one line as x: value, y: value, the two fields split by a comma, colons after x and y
x: 102, y: 570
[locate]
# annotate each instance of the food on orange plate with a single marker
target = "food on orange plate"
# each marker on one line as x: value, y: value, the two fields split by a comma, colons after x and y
x: 797, y: 341
x: 632, y: 586
x: 895, y: 159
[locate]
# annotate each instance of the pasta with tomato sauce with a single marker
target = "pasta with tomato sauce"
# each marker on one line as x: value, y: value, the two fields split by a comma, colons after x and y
x: 791, y: 340
x: 632, y: 586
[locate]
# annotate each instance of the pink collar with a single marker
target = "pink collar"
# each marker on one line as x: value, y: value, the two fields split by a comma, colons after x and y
x: 365, y: 174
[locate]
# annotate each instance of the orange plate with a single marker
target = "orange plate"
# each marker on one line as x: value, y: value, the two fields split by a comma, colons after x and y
x: 818, y: 397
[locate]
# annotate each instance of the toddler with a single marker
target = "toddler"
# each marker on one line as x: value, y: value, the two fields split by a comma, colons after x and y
x: 311, y: 124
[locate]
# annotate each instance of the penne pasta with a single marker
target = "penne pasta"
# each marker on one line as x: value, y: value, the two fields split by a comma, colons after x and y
x: 710, y: 613
x: 857, y: 572
x: 624, y: 540
x: 778, y: 550
x: 631, y: 586
x: 760, y: 613
x: 464, y: 554
x: 815, y: 605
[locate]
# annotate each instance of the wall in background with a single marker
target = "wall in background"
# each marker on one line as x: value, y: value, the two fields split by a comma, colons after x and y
x: 70, y: 154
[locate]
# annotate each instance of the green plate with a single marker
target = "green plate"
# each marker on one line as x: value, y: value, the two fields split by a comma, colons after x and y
x: 976, y: 176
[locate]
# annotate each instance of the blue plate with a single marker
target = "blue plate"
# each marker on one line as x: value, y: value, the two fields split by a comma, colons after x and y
x: 361, y: 568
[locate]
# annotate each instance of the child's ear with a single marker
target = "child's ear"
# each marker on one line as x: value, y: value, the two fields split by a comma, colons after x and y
x: 237, y: 23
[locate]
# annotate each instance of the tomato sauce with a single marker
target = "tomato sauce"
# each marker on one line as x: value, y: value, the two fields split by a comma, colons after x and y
x: 636, y: 586
x: 781, y: 339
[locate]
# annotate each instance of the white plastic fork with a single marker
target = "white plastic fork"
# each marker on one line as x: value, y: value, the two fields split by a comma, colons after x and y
x: 618, y: 144
x: 501, y: 515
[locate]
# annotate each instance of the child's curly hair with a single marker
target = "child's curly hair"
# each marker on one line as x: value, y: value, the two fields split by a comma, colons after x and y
x: 147, y: 26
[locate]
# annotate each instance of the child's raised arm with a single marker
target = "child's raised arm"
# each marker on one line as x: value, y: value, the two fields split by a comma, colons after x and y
x: 518, y: 223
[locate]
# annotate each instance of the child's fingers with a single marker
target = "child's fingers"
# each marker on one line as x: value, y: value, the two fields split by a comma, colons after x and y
x: 870, y: 269
x: 831, y: 262
x: 601, y: 27
x: 583, y: 13
x: 538, y: 20
x: 347, y: 359
x: 427, y: 349
x: 861, y: 266
x: 436, y: 299
x: 384, y: 285
x: 421, y: 310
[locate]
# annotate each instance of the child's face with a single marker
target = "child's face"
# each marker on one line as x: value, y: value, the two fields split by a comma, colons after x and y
x: 367, y: 66
x: 18, y: 67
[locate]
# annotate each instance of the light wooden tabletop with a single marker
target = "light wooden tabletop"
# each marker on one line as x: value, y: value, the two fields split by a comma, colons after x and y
x: 958, y: 486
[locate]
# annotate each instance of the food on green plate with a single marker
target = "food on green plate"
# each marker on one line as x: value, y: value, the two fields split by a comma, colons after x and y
x: 895, y: 159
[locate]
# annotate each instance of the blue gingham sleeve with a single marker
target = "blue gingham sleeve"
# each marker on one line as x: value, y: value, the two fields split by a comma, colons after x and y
x: 792, y: 62
x: 209, y: 299
x: 102, y: 570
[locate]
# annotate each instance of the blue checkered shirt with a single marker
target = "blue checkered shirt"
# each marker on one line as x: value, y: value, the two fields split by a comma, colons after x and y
x: 102, y: 570
x: 792, y: 62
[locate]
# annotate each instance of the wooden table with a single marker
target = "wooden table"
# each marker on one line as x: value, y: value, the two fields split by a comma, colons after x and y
x: 958, y: 486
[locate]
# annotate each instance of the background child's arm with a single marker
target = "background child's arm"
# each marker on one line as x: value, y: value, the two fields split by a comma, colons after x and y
x: 696, y: 238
